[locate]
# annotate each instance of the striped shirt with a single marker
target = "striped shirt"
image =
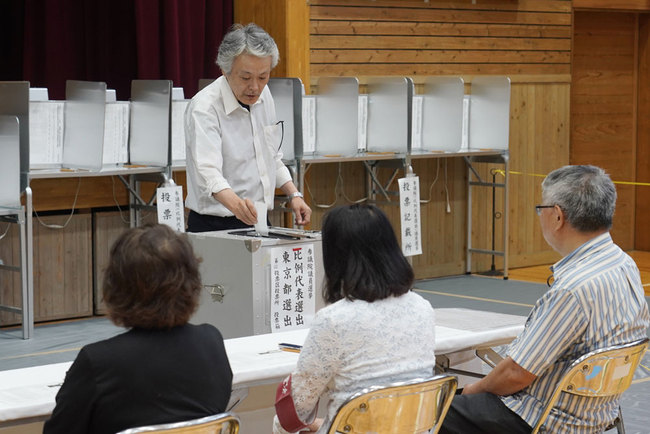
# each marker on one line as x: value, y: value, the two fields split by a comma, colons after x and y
x: 596, y: 300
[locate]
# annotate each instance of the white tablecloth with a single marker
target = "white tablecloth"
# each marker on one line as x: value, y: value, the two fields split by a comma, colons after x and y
x: 30, y: 392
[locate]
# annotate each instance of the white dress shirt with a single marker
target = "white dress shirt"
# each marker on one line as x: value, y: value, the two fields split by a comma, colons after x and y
x: 231, y: 147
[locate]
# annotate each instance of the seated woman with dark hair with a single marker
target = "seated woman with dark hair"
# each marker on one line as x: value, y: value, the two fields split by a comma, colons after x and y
x: 162, y: 369
x: 375, y: 331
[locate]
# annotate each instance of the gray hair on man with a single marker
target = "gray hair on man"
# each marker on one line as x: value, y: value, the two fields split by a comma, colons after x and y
x: 586, y: 195
x: 250, y: 39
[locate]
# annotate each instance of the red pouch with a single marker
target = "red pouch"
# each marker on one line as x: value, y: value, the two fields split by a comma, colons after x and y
x: 285, y: 409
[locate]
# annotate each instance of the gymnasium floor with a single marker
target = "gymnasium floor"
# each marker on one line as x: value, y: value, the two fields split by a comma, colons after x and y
x: 60, y: 342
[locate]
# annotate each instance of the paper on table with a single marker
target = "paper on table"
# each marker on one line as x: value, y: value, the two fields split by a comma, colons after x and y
x: 178, y: 130
x: 46, y: 134
x: 116, y: 133
x: 261, y: 227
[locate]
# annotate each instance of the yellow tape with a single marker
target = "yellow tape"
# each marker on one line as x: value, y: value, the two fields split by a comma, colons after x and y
x: 42, y: 353
x: 512, y: 172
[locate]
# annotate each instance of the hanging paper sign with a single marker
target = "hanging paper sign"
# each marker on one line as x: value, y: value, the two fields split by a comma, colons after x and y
x: 170, y: 207
x: 409, y: 204
x: 293, y: 298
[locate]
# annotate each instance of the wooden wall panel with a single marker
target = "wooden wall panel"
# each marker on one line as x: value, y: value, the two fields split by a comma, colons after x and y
x: 288, y: 22
x: 365, y: 37
x: 642, y: 214
x: 618, y: 5
x: 603, y: 105
x: 62, y: 268
x: 107, y: 227
x: 59, y: 194
x: 443, y: 227
x: 10, y: 284
x: 90, y: 192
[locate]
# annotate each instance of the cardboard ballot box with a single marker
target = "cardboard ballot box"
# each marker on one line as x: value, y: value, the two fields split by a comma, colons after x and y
x: 255, y: 284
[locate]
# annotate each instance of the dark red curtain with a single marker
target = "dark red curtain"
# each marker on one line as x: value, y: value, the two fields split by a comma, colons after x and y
x: 178, y: 39
x: 12, y: 17
x: 114, y: 41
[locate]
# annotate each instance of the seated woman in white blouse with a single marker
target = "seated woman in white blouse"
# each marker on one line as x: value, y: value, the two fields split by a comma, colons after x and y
x: 376, y: 330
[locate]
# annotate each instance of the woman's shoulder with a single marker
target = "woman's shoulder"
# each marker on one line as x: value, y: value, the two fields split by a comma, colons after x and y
x: 341, y: 307
x: 416, y: 299
x: 202, y: 330
x: 344, y: 305
x: 139, y: 337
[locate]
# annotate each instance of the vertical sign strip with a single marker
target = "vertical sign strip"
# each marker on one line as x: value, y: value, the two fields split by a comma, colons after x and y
x: 293, y: 298
x: 170, y: 207
x: 409, y: 204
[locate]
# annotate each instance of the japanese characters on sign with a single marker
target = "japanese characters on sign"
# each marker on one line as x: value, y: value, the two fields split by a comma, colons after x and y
x: 170, y: 207
x: 293, y: 278
x: 409, y: 204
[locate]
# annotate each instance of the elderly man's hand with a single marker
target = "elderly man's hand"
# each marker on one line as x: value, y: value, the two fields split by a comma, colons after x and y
x: 301, y: 211
x: 243, y: 209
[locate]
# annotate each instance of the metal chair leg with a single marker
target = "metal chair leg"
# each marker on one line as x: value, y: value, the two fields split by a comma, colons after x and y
x: 620, y: 427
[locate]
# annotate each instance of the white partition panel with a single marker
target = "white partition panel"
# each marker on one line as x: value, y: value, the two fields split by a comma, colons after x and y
x: 111, y: 95
x: 14, y: 101
x: 489, y: 113
x: 442, y: 114
x: 83, y: 132
x: 178, y: 94
x: 287, y: 94
x: 10, y: 162
x: 389, y: 114
x: 38, y: 94
x: 149, y: 135
x: 337, y: 110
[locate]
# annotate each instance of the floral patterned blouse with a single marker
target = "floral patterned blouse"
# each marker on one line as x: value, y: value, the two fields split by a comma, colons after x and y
x: 352, y: 345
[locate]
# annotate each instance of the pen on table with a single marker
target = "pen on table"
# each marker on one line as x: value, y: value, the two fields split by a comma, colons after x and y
x: 269, y: 352
x: 292, y: 348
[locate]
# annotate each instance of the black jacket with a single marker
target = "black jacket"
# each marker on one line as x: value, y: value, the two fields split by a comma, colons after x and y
x: 144, y: 377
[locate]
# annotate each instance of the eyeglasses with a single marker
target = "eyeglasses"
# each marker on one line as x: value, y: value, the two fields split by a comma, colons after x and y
x: 538, y: 208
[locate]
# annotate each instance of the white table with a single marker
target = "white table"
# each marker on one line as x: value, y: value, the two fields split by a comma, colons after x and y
x: 27, y: 395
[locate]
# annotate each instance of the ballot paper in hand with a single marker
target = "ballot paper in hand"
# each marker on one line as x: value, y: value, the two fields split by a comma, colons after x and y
x: 261, y: 227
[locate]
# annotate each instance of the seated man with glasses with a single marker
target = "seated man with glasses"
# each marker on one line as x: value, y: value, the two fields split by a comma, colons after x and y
x: 596, y: 300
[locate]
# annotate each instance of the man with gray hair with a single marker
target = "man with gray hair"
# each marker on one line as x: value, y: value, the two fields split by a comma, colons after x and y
x: 233, y: 139
x: 596, y: 300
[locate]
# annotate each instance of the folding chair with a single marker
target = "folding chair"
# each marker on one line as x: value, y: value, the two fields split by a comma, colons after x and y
x: 222, y: 423
x: 605, y: 372
x: 410, y: 407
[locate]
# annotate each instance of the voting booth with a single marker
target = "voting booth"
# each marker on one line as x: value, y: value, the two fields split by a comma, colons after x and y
x: 14, y: 165
x: 287, y: 95
x: 388, y: 115
x: 337, y: 117
x: 438, y: 116
x: 255, y: 284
